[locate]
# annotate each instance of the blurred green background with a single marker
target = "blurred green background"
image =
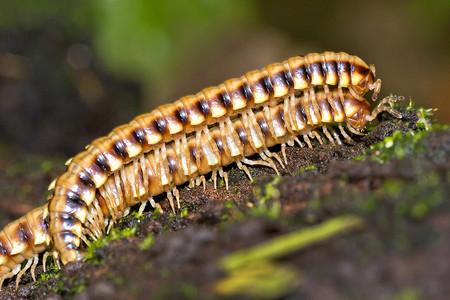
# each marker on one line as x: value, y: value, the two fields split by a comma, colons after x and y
x: 71, y: 70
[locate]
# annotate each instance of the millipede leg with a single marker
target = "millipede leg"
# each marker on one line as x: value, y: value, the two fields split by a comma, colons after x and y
x: 152, y: 202
x: 327, y: 134
x: 33, y: 267
x: 142, y: 207
x: 314, y: 134
x: 256, y: 162
x: 283, y: 151
x: 295, y: 138
x: 353, y: 130
x: 307, y: 140
x: 245, y: 169
x: 44, y: 261
x: 111, y: 224
x: 276, y: 156
x: 191, y: 183
x: 382, y: 107
x: 101, y: 217
x: 56, y: 258
x: 6, y: 276
x: 329, y: 98
x: 176, y: 193
x: 315, y: 105
x: 159, y: 208
x: 376, y: 86
x: 84, y: 239
x: 214, y: 178
x: 344, y: 134
x: 24, y: 269
x: 170, y: 198
x: 336, y: 136
x: 200, y: 180
x: 224, y: 175
x: 270, y: 161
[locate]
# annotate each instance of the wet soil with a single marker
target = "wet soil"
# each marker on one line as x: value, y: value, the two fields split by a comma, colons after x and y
x: 401, y: 252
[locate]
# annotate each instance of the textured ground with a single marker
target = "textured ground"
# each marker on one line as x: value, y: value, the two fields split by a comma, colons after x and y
x: 398, y: 249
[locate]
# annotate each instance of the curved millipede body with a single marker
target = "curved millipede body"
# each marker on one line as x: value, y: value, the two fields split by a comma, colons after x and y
x: 175, y: 163
x: 88, y: 170
x: 22, y: 241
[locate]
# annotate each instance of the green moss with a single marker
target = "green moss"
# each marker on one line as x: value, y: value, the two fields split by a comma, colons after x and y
x: 69, y: 287
x: 425, y: 118
x: 184, y: 212
x: 399, y: 145
x: 411, y: 293
x: 115, y: 234
x: 147, y: 242
x: 415, y: 200
x: 172, y: 218
x: 229, y: 204
x: 308, y: 168
x: 267, y: 203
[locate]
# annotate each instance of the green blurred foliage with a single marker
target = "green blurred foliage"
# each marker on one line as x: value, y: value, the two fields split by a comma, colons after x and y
x: 147, y: 41
x: 150, y: 40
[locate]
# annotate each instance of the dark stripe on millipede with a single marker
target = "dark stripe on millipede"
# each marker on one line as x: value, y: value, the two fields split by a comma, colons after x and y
x: 86, y: 179
x: 219, y: 144
x: 182, y: 115
x: 74, y: 201
x: 288, y: 78
x: 247, y: 91
x: 264, y: 127
x: 242, y: 135
x: 140, y: 136
x: 21, y: 234
x: 102, y: 163
x: 119, y: 148
x: 161, y: 125
x: 205, y: 107
x: 225, y: 99
x: 268, y: 85
x: 173, y: 166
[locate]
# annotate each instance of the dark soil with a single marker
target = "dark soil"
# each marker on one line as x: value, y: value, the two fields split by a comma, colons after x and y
x: 401, y: 252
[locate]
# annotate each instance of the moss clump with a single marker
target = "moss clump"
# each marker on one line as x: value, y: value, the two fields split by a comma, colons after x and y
x: 115, y: 234
x: 267, y: 203
x: 399, y: 145
x: 147, y: 242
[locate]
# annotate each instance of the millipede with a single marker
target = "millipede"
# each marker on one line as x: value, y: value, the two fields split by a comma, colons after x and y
x: 184, y: 141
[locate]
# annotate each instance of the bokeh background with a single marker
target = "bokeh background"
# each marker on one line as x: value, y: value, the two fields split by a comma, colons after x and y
x: 71, y: 70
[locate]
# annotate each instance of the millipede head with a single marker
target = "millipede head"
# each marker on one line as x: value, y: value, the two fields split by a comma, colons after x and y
x: 356, y: 111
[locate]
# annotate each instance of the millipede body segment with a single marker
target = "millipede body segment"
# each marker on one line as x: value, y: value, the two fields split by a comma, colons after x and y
x: 284, y: 103
x: 22, y: 241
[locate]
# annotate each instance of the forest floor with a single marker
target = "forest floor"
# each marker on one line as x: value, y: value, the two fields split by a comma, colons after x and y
x: 366, y: 220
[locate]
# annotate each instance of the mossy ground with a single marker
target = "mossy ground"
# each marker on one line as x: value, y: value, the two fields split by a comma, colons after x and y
x: 399, y: 250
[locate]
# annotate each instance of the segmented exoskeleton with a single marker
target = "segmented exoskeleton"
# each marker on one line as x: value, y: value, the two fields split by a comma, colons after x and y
x: 163, y: 169
x: 87, y: 171
x: 175, y: 163
x: 23, y: 240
